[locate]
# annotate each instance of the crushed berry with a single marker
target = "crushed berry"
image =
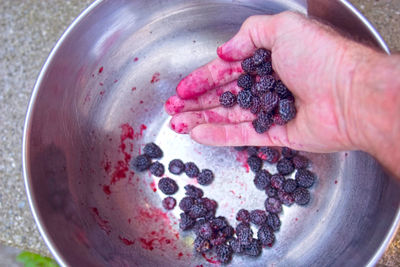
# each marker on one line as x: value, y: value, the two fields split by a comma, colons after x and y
x: 285, y: 166
x: 227, y: 99
x: 271, y: 192
x: 202, y: 245
x: 236, y: 246
x: 273, y: 205
x: 205, y: 231
x: 141, y: 163
x: 287, y: 110
x: 248, y: 65
x: 261, y: 55
x: 157, y: 169
x: 301, y: 196
x: 268, y: 154
x: 269, y: 101
x: 273, y: 221
x: 282, y: 91
x: 244, y: 233
x: 266, y: 235
x: 167, y: 186
x: 245, y: 99
x: 205, y: 177
x: 304, y: 178
x: 289, y: 185
x: 252, y: 150
x: 265, y: 69
x: 262, y: 123
x: 169, y: 203
x: 193, y: 191
x: 255, y: 105
x: 224, y: 253
x: 243, y: 216
x: 288, y: 152
x: 285, y: 198
x: 262, y: 179
x: 245, y: 81
x: 258, y: 217
x: 255, y: 163
x: 254, y: 248
x: 300, y: 162
x: 176, y: 166
x: 153, y: 151
x: 186, y: 203
x: 277, y: 181
x: 191, y: 170
x: 186, y: 222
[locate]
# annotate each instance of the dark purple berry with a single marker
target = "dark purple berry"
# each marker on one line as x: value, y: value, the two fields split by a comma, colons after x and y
x: 193, y: 191
x: 228, y: 231
x: 205, y: 177
x: 269, y: 101
x: 285, y: 166
x: 301, y: 196
x: 198, y: 224
x: 255, y: 163
x: 261, y: 55
x: 253, y: 249
x: 258, y: 217
x: 262, y: 179
x: 201, y: 245
x: 287, y: 110
x: 236, y: 246
x: 277, y: 120
x: 153, y: 151
x: 273, y: 221
x: 205, y: 231
x: 244, y: 233
x: 266, y: 84
x: 300, y: 162
x: 141, y: 163
x: 304, y: 178
x: 245, y: 99
x: 252, y: 150
x: 186, y: 203
x: 268, y: 154
x: 167, y: 186
x: 169, y: 203
x: 227, y: 99
x: 218, y: 240
x: 254, y: 90
x: 186, y: 222
x: 245, y: 81
x: 271, y: 192
x: 157, y: 169
x: 273, y: 205
x: 262, y: 123
x: 218, y: 223
x: 176, y: 166
x: 224, y: 253
x: 277, y: 181
x: 248, y: 65
x: 197, y: 211
x: 288, y: 152
x: 240, y: 148
x: 243, y: 216
x: 289, y: 185
x: 191, y: 170
x: 255, y: 105
x: 282, y: 91
x: 265, y: 69
x: 210, y: 204
x: 285, y: 198
x: 266, y: 235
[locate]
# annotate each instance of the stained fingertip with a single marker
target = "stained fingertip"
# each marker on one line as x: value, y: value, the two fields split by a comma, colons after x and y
x: 194, y: 85
x: 178, y: 127
x: 174, y: 105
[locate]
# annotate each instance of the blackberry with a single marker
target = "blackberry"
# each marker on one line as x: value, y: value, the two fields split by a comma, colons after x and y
x: 288, y: 152
x: 202, y: 245
x: 304, y: 178
x: 198, y: 224
x: 282, y: 91
x: 153, y: 151
x: 277, y: 181
x: 224, y: 253
x: 258, y: 217
x: 205, y: 231
x: 285, y: 166
x: 191, y: 170
x: 266, y: 84
x: 255, y: 163
x: 240, y: 148
x: 157, y: 169
x: 210, y: 204
x: 186, y: 203
x: 273, y: 205
x: 245, y: 81
x: 218, y: 223
x: 254, y: 90
x: 273, y: 221
x: 197, y: 211
x: 248, y: 65
x: 301, y: 196
x: 205, y: 177
x: 252, y: 150
x: 218, y: 240
x: 268, y: 154
x: 193, y: 191
x: 244, y: 99
x: 253, y: 249
x: 236, y: 246
x: 271, y: 192
x: 209, y: 215
x: 141, y: 163
x: 265, y: 69
x: 261, y: 55
x: 167, y: 186
x: 300, y: 162
x: 186, y: 222
x: 228, y: 231
x: 176, y: 166
x: 277, y: 119
x: 227, y: 99
x: 266, y: 235
x: 287, y: 110
x: 255, y: 105
x: 285, y: 198
x: 243, y: 216
x: 269, y: 101
x: 262, y: 123
x: 262, y: 179
x: 244, y: 233
x: 289, y: 186
x: 169, y: 203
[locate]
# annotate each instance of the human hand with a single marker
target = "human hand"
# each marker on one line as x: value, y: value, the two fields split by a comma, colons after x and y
x: 311, y: 59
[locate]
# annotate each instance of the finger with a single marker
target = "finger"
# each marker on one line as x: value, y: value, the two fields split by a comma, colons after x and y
x: 186, y: 121
x: 239, y: 135
x: 175, y: 104
x: 207, y: 77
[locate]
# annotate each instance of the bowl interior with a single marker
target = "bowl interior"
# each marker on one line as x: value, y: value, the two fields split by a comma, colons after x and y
x: 100, y: 100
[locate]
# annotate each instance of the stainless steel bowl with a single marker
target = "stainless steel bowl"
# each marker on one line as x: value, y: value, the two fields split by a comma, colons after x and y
x: 100, y: 97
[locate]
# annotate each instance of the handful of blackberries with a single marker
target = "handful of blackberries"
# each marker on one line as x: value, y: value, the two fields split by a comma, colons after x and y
x: 261, y: 93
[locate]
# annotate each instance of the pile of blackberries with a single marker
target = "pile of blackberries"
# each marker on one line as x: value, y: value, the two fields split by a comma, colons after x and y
x: 261, y: 93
